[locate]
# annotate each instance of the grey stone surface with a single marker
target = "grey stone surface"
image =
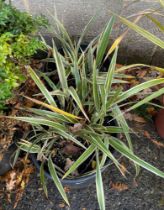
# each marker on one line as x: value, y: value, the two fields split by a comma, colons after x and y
x: 75, y: 14
x: 134, y: 47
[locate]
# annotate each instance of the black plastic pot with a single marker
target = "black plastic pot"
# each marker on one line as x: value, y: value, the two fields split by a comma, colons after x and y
x: 79, y: 182
x: 8, y: 157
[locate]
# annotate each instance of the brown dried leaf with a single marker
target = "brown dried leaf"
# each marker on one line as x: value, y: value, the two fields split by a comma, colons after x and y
x: 147, y: 134
x: 18, y: 197
x: 77, y: 127
x: 134, y: 82
x: 23, y: 180
x: 154, y: 141
x: 119, y: 65
x: 68, y: 164
x: 144, y: 93
x: 1, y: 156
x: 142, y: 73
x: 151, y: 111
x: 66, y: 189
x: 61, y: 205
x: 11, y: 183
x: 123, y: 168
x: 139, y: 119
x: 70, y: 149
x: 157, y: 143
x: 134, y: 117
x: 119, y: 187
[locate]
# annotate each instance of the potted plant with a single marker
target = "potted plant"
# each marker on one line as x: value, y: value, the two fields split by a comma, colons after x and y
x: 18, y: 43
x: 73, y: 131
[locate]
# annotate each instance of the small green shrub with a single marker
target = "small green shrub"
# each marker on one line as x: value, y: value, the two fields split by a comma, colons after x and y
x: 16, y: 46
x: 14, y: 53
x: 16, y: 22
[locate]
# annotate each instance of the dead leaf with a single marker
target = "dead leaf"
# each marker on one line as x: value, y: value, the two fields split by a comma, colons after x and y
x: 151, y: 111
x: 61, y: 205
x: 157, y: 143
x: 123, y: 168
x: 139, y: 119
x: 10, y: 180
x: 119, y: 187
x: 68, y: 164
x: 22, y: 181
x: 144, y: 93
x: 134, y: 117
x: 134, y: 82
x: 77, y: 127
x: 147, y: 134
x: 17, y: 179
x: 142, y: 73
x: 119, y: 65
x: 11, y: 183
x: 1, y: 156
x: 70, y: 149
x: 154, y: 141
x: 66, y: 189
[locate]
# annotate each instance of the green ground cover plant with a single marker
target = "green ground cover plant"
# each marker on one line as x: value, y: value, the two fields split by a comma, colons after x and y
x: 17, y: 45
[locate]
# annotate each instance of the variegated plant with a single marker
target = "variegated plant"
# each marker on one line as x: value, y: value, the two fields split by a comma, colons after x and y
x: 82, y: 96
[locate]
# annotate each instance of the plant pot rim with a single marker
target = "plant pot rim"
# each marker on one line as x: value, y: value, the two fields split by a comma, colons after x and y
x: 75, y: 182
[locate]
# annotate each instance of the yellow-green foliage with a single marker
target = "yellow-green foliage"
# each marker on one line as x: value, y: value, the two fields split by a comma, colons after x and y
x: 16, y: 46
x: 14, y: 53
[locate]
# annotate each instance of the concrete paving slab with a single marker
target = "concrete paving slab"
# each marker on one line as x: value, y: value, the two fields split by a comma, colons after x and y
x: 75, y: 14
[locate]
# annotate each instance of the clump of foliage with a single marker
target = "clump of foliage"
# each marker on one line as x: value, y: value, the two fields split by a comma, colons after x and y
x: 80, y: 96
x: 16, y: 46
x: 16, y: 22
